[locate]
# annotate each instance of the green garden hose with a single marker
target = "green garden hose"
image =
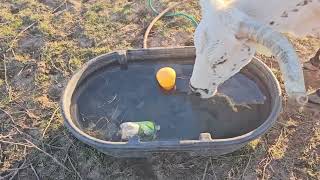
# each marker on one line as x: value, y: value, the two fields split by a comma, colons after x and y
x: 187, y: 16
x: 166, y: 13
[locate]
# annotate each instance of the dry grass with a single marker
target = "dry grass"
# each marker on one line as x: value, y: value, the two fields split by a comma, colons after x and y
x: 42, y: 42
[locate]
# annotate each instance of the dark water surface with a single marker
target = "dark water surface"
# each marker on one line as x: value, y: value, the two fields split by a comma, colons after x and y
x: 111, y: 96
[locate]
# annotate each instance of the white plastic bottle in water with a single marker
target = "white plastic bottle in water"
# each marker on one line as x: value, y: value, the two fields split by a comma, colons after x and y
x: 144, y: 129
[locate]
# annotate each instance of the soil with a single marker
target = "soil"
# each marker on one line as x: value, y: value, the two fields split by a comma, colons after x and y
x: 42, y: 43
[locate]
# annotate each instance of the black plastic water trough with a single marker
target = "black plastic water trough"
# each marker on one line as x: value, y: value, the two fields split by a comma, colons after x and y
x: 227, y: 135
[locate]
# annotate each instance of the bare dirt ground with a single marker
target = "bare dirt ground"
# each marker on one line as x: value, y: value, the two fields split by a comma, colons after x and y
x: 42, y: 42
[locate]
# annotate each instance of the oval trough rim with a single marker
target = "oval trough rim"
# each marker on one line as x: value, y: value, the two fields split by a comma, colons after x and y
x: 254, y: 134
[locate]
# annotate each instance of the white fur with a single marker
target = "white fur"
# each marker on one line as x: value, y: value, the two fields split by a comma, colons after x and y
x: 226, y: 38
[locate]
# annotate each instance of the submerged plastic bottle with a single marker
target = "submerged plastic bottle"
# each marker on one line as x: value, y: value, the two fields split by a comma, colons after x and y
x: 146, y: 130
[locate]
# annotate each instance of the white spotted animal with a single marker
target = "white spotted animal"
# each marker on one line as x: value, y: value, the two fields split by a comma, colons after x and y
x: 228, y: 34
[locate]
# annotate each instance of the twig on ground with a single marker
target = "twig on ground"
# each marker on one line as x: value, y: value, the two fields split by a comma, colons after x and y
x: 6, y: 136
x: 49, y: 155
x: 13, y: 53
x: 23, y: 133
x: 19, y: 34
x: 34, y: 139
x: 21, y: 167
x: 67, y: 154
x: 245, y: 169
x: 70, y: 140
x: 18, y: 169
x: 15, y: 143
x: 54, y: 66
x: 51, y: 119
x: 265, y: 167
x: 75, y: 170
x: 6, y: 176
x: 205, y: 171
x: 9, y: 115
x: 6, y: 78
x: 55, y: 9
x: 214, y: 173
x: 35, y: 172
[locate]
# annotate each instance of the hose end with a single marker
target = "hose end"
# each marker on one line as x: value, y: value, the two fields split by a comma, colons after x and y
x: 297, y: 102
x: 302, y: 100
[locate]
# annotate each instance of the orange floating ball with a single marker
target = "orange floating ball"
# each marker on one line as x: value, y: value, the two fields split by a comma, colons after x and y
x: 166, y: 78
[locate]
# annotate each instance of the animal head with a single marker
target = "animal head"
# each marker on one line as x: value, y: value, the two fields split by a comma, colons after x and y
x: 220, y: 54
x: 225, y: 42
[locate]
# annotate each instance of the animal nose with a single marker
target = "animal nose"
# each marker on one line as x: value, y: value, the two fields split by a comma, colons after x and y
x: 204, y: 93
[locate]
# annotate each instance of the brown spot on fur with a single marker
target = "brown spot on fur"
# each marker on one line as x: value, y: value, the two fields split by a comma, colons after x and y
x: 305, y: 2
x: 284, y: 14
x: 225, y: 60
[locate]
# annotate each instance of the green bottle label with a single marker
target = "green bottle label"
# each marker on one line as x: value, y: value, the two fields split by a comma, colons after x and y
x: 147, y: 129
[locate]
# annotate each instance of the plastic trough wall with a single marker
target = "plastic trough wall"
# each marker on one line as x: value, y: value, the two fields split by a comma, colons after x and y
x: 135, y: 148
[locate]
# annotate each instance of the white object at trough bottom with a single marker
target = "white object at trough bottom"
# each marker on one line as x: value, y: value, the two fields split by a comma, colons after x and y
x: 129, y: 130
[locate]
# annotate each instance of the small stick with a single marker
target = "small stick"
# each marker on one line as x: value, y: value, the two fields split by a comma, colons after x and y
x: 109, y: 101
x: 6, y: 78
x: 55, y: 9
x: 214, y: 173
x: 13, y: 53
x: 265, y: 167
x: 58, y: 69
x: 21, y: 32
x: 49, y: 155
x: 35, y: 172
x: 23, y: 133
x: 112, y: 116
x: 114, y: 98
x: 16, y: 172
x: 20, y: 71
x: 6, y: 176
x: 205, y: 171
x: 11, y: 118
x: 51, y: 119
x: 15, y: 143
x: 75, y: 170
x: 245, y: 169
x: 19, y: 168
